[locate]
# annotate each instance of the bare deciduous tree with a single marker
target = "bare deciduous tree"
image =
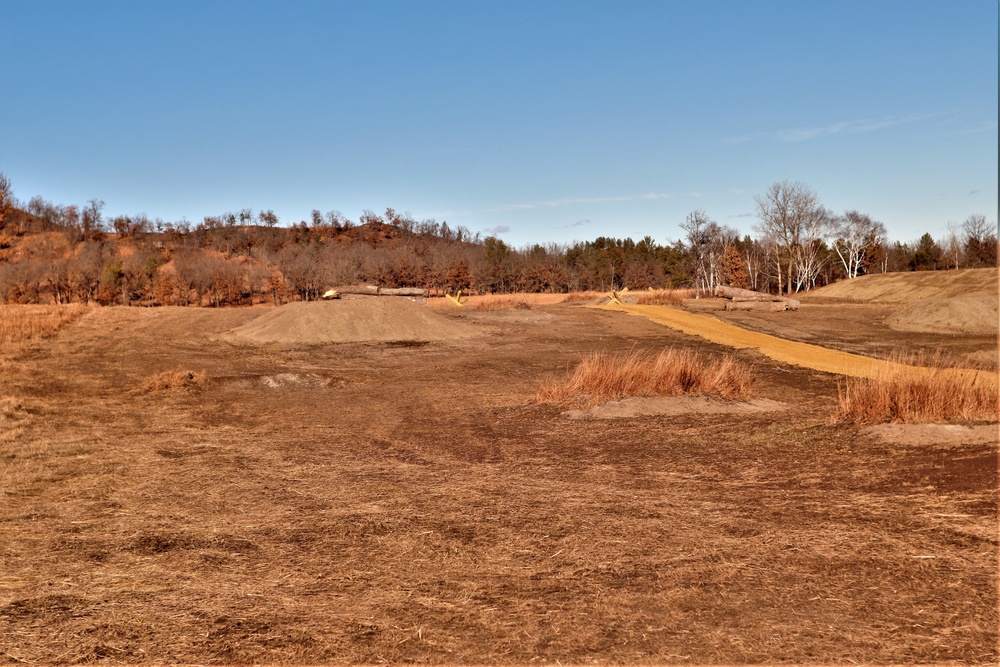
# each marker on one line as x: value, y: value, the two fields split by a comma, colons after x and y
x: 980, y: 241
x: 791, y: 216
x: 855, y: 235
x: 6, y: 198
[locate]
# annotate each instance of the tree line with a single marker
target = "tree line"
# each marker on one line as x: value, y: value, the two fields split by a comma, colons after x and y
x: 53, y: 253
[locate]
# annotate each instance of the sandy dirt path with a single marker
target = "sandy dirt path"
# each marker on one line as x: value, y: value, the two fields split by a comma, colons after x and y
x: 786, y: 351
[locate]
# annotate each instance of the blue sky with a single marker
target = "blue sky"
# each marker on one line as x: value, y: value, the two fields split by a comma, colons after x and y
x: 540, y: 121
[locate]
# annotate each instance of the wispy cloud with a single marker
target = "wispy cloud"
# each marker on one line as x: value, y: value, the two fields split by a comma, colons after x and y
x: 450, y: 213
x: 579, y: 223
x: 861, y: 126
x: 742, y: 215
x: 559, y: 203
x: 973, y: 192
x: 499, y: 229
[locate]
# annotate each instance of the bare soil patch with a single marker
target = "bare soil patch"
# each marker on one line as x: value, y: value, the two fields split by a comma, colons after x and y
x: 374, y: 319
x: 978, y: 315
x: 367, y: 502
x: 936, y: 434
x: 644, y: 406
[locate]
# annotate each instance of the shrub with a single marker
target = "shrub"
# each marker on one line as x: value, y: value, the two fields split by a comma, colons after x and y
x: 603, y: 377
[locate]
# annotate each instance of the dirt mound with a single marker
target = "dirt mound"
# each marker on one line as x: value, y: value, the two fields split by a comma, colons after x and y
x: 349, y: 321
x: 908, y: 287
x: 976, y: 315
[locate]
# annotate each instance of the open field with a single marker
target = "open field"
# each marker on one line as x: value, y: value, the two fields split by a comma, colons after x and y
x: 240, y: 485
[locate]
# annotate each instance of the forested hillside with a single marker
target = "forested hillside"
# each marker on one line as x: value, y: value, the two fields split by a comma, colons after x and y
x: 67, y: 253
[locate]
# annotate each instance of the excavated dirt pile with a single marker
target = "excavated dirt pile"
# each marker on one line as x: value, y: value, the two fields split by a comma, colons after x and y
x: 373, y: 319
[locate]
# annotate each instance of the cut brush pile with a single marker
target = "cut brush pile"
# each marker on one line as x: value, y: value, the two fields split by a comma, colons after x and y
x: 606, y: 377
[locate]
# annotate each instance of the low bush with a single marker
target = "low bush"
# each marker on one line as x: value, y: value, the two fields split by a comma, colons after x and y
x: 913, y: 390
x: 603, y: 377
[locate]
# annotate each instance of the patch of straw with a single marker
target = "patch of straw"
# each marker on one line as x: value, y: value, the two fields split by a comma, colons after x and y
x: 604, y: 377
x: 30, y: 322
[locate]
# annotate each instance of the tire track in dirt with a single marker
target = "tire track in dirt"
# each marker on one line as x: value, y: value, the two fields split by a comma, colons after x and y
x: 780, y: 349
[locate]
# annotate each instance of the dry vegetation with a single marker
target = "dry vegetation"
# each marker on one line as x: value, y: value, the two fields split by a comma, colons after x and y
x: 502, y: 303
x: 673, y: 372
x: 24, y: 323
x: 172, y: 380
x: 666, y: 297
x: 919, y: 390
x: 330, y: 502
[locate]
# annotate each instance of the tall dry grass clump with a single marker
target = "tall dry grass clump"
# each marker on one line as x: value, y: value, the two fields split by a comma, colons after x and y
x: 913, y: 390
x: 28, y: 322
x: 665, y: 297
x: 605, y: 377
x: 577, y: 297
x: 503, y: 303
x: 171, y: 380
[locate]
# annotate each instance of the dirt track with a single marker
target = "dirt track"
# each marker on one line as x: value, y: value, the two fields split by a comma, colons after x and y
x: 786, y: 351
x: 410, y: 502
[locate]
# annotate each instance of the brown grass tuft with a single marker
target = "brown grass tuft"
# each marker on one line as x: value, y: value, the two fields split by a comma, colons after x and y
x: 576, y: 297
x: 918, y: 390
x: 172, y: 380
x: 29, y: 322
x: 665, y: 297
x: 604, y: 377
x: 503, y: 303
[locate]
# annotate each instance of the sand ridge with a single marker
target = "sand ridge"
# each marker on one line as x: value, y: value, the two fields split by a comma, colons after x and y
x: 374, y: 319
x: 974, y: 314
x: 908, y: 286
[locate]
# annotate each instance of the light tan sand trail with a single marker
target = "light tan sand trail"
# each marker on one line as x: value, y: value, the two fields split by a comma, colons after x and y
x: 787, y: 351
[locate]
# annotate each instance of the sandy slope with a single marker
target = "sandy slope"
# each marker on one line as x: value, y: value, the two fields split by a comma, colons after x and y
x: 909, y: 287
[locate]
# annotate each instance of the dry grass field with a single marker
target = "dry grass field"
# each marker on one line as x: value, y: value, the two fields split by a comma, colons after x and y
x: 208, y: 486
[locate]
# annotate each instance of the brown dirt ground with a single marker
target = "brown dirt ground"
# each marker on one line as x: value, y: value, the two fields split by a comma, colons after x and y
x: 409, y: 502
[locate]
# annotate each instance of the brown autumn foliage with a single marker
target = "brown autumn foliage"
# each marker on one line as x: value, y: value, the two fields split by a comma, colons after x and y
x: 59, y: 254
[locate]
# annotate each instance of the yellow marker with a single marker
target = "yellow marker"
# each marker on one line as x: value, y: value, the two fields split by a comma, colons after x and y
x: 455, y: 299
